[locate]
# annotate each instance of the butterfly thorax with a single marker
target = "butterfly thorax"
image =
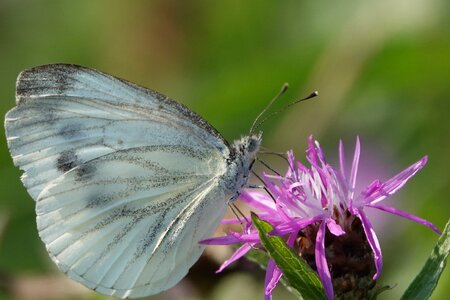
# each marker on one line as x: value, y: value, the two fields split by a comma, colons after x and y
x: 242, y: 155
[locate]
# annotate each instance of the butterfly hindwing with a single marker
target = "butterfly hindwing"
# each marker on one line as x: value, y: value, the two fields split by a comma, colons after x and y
x: 132, y: 232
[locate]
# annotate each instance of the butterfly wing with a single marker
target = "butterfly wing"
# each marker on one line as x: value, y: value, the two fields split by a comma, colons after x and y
x: 126, y: 180
x: 67, y: 115
x: 129, y: 226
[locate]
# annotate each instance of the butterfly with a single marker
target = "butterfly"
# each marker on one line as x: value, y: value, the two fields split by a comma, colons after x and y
x: 126, y: 181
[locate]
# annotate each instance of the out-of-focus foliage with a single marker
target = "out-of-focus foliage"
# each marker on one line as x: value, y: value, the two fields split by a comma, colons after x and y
x: 382, y: 69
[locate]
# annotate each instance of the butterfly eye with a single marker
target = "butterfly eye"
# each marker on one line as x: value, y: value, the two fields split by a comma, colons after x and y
x: 252, y: 144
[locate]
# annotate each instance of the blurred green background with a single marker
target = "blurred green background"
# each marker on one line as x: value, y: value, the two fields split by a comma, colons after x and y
x: 382, y: 69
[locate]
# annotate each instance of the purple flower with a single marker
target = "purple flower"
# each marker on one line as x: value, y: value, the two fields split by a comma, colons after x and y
x: 322, y: 217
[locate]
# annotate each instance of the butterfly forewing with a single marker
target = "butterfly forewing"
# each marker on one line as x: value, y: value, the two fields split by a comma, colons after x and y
x: 66, y: 108
x: 126, y: 181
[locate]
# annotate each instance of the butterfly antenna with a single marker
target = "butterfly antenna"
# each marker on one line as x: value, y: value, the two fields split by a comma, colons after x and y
x: 281, y: 92
x: 254, y: 127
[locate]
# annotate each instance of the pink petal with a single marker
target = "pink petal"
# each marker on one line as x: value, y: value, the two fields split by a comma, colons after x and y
x: 291, y: 162
x: 372, y: 188
x: 341, y: 159
x: 246, y: 237
x: 236, y: 255
x: 311, y: 150
x: 232, y: 238
x: 294, y: 226
x: 258, y: 200
x: 334, y: 228
x: 232, y: 221
x: 406, y: 215
x: 321, y: 262
x: 395, y: 183
x: 373, y: 242
x: 354, y: 170
x: 273, y: 275
x: 222, y: 240
x: 320, y: 154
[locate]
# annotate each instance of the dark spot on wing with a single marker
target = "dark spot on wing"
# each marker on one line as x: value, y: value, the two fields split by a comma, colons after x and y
x: 86, y: 171
x: 70, y: 131
x: 67, y: 160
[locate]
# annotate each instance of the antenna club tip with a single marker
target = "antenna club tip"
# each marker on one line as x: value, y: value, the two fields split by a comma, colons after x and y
x: 316, y: 93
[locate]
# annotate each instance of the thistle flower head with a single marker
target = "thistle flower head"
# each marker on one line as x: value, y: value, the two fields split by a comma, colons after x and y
x: 318, y: 211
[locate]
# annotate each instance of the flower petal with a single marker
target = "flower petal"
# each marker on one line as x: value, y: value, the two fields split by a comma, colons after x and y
x: 233, y: 238
x: 374, y: 187
x: 334, y: 228
x: 236, y: 255
x: 232, y: 221
x: 321, y: 262
x: 273, y: 275
x: 251, y: 237
x: 320, y: 154
x: 294, y: 225
x: 395, y: 183
x: 354, y: 171
x: 406, y: 215
x: 258, y: 200
x: 291, y: 163
x: 311, y: 151
x: 221, y: 240
x: 341, y: 159
x: 373, y: 242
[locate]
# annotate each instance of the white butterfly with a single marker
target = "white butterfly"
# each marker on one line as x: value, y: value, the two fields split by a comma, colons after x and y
x: 126, y: 180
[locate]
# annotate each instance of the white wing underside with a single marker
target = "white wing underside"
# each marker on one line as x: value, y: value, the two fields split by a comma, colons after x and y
x: 133, y: 228
x: 64, y: 107
x: 126, y: 181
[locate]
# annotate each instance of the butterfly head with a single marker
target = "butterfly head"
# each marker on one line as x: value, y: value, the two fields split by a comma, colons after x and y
x: 247, y: 147
x: 240, y: 162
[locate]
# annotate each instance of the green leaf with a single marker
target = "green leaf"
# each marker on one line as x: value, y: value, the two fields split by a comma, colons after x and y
x: 425, y: 282
x: 296, y: 271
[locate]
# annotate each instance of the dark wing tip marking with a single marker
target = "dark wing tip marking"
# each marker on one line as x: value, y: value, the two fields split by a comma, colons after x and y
x: 71, y: 130
x: 56, y: 79
x: 43, y: 79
